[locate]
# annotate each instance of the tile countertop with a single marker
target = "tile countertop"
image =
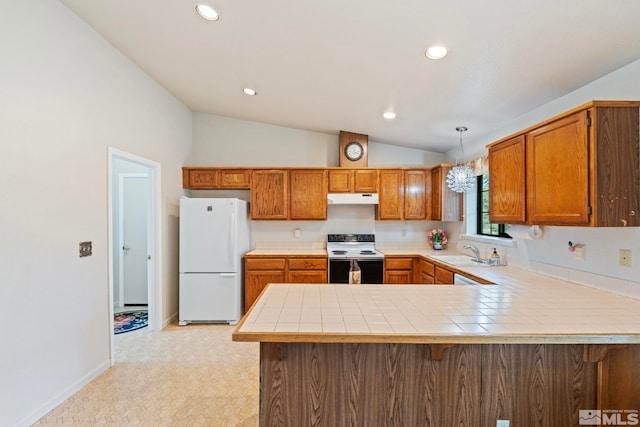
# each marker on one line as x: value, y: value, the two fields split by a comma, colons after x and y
x: 522, y: 308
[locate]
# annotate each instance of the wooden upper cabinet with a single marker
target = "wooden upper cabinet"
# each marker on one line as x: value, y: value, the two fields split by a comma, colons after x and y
x: 341, y: 181
x: 215, y: 178
x: 446, y: 205
x: 365, y: 181
x: 558, y: 172
x: 507, y: 201
x: 615, y: 189
x: 270, y: 194
x: 235, y: 178
x: 415, y: 195
x: 353, y: 181
x: 199, y: 178
x: 581, y: 168
x: 391, y: 195
x: 308, y: 194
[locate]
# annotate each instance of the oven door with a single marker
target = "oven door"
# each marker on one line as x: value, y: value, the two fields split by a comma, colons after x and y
x: 371, y: 270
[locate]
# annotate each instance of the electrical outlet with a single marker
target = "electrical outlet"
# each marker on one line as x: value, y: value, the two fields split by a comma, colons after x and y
x: 502, y: 423
x: 625, y: 257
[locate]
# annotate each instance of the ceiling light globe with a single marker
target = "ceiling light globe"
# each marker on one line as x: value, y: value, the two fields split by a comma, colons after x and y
x: 389, y: 115
x: 436, y: 52
x: 249, y: 91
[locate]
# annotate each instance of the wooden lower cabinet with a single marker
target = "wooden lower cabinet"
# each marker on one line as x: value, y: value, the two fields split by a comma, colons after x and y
x: 260, y: 271
x: 464, y: 385
x: 307, y: 270
x: 399, y: 271
x: 427, y: 272
x: 443, y: 276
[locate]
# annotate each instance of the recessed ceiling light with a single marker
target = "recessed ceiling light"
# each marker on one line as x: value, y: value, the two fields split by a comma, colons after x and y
x: 249, y: 91
x: 436, y: 52
x: 389, y: 115
x: 207, y: 12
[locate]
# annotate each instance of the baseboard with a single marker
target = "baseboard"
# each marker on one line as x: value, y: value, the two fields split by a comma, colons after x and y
x: 63, y: 395
x: 170, y: 320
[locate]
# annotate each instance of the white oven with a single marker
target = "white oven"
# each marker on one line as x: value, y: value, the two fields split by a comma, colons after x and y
x: 342, y: 248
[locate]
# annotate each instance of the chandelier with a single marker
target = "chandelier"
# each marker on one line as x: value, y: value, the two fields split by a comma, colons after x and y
x: 460, y: 178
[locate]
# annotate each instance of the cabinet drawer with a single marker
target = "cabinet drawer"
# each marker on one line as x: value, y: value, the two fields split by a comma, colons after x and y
x: 398, y: 263
x: 427, y: 268
x: 307, y: 263
x: 264, y: 263
x: 235, y: 178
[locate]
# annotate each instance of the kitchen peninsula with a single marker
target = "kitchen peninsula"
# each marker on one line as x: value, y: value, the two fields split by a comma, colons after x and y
x: 531, y: 349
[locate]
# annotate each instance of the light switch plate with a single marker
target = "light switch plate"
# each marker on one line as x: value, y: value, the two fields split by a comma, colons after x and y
x: 85, y: 249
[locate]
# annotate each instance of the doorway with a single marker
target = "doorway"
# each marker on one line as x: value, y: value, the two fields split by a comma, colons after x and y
x: 134, y: 237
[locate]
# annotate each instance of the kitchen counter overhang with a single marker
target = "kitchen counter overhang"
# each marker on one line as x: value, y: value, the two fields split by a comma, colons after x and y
x: 552, y: 311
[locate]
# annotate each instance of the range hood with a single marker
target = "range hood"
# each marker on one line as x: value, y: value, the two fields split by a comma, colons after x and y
x: 352, y: 198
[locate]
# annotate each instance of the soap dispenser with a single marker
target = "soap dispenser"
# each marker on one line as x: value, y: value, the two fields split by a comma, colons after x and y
x: 494, y: 260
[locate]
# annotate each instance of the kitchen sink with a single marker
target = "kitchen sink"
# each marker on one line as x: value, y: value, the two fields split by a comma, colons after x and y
x: 459, y: 260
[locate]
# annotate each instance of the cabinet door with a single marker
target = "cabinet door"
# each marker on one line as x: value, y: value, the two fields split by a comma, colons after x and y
x: 308, y: 195
x: 269, y: 194
x: 415, y: 203
x: 436, y: 194
x: 365, y: 181
x: 391, y: 195
x: 340, y: 181
x: 398, y: 277
x: 425, y: 279
x: 507, y: 199
x: 256, y: 281
x: 558, y: 172
x: 443, y: 276
x: 446, y: 205
x: 427, y: 268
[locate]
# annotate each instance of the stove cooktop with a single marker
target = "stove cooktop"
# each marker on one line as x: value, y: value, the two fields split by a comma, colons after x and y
x: 347, y: 246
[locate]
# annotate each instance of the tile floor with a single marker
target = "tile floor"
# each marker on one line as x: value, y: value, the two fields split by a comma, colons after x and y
x: 192, y: 375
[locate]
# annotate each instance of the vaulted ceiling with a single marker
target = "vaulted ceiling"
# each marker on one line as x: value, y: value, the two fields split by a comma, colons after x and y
x: 334, y: 65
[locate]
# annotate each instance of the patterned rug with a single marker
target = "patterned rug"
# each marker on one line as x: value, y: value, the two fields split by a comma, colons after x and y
x: 128, y: 321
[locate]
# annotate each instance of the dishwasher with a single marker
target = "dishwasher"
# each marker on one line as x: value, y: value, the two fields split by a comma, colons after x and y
x: 459, y: 279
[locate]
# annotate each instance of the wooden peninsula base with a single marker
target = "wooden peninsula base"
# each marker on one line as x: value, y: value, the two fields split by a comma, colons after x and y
x: 395, y: 384
x: 534, y: 352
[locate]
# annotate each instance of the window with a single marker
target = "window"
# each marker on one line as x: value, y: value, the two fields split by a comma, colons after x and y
x: 485, y: 227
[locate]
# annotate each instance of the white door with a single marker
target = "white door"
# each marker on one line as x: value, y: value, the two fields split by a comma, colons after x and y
x: 134, y: 227
x: 208, y: 236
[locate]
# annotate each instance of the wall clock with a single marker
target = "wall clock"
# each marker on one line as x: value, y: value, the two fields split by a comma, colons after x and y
x: 354, y: 151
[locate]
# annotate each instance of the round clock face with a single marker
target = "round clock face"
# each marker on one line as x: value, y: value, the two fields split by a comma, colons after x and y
x: 354, y: 151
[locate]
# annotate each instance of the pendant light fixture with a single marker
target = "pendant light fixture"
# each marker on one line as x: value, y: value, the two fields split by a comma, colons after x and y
x: 460, y: 178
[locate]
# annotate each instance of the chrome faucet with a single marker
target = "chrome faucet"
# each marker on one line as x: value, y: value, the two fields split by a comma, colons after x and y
x: 475, y: 251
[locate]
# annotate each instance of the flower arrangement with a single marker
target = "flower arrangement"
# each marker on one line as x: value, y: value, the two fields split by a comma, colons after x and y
x: 437, y: 236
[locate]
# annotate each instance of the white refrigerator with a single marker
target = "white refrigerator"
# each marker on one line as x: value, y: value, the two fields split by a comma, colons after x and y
x: 214, y: 234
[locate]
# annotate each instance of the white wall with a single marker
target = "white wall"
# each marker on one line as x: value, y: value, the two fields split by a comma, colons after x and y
x: 66, y: 95
x: 602, y: 244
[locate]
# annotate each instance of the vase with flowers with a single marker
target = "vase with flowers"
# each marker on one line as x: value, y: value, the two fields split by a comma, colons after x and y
x: 437, y: 238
